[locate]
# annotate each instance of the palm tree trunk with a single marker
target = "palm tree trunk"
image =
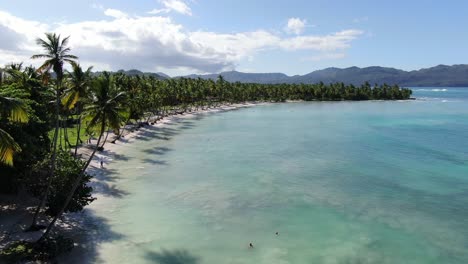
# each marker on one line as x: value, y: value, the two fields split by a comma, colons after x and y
x: 105, y: 140
x: 123, y: 129
x: 65, y: 131
x: 78, y: 135
x: 52, y: 163
x: 75, y: 185
x: 65, y: 134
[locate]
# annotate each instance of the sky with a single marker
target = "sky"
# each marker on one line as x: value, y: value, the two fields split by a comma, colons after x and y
x: 180, y: 37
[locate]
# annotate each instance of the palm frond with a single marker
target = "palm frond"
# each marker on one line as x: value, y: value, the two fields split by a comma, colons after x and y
x: 8, y: 147
x: 40, y: 56
x: 69, y: 56
x: 93, y: 122
x: 15, y: 109
x: 45, y: 67
x: 70, y: 99
x: 64, y: 41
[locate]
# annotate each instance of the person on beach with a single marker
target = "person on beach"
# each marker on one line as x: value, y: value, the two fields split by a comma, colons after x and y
x: 102, y: 164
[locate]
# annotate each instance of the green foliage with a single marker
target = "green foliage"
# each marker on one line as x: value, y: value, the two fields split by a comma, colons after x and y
x: 106, y: 104
x: 24, y: 251
x: 65, y: 174
x: 31, y: 137
x: 17, y: 251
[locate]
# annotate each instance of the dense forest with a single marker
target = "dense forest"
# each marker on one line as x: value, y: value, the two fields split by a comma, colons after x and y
x: 46, y: 113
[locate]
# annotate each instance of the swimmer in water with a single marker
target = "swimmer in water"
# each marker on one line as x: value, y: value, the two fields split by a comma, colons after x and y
x: 250, y: 245
x: 277, y: 233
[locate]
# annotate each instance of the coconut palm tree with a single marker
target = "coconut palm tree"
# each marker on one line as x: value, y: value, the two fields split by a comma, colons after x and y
x: 14, y: 110
x: 56, y: 54
x: 104, y: 110
x: 78, y: 87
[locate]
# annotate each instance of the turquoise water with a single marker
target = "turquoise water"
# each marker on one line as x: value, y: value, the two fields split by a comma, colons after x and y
x: 342, y: 182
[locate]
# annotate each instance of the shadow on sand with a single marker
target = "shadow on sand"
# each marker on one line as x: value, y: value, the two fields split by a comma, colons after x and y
x: 104, y: 182
x: 96, y: 230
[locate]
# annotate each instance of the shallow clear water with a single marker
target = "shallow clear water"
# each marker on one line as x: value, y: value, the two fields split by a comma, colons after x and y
x: 342, y: 182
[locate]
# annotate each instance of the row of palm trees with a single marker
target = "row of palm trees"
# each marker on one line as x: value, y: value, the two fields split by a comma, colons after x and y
x: 109, y: 101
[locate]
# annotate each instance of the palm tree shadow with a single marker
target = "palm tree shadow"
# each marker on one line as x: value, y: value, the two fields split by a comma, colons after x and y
x: 96, y: 230
x: 179, y: 256
x: 157, y: 150
x: 110, y: 190
x: 155, y: 162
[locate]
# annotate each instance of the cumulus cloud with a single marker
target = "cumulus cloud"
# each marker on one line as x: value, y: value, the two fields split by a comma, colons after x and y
x: 155, y: 42
x: 295, y: 25
x: 23, y: 29
x: 236, y: 46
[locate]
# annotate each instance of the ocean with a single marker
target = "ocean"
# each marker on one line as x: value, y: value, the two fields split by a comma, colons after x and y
x: 339, y: 182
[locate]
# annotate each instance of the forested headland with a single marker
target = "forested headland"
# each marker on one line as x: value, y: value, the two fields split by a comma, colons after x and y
x: 47, y: 113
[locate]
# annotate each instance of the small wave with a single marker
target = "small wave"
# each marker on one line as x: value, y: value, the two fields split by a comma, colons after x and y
x: 428, y: 98
x: 451, y: 101
x: 432, y: 90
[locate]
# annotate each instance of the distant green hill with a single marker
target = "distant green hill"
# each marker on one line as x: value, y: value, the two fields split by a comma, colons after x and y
x: 441, y: 75
x: 134, y: 72
x: 234, y: 76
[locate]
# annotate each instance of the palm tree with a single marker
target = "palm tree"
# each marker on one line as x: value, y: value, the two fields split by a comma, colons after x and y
x: 14, y: 110
x: 104, y: 111
x: 78, y: 88
x: 56, y: 54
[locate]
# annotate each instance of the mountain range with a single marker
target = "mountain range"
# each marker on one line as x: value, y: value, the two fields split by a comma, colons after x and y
x: 438, y: 76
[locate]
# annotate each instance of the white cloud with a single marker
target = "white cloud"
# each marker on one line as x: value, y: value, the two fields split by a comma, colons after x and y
x: 18, y: 38
x: 177, y: 6
x: 295, y: 25
x: 326, y: 56
x: 156, y: 42
x: 115, y: 13
x: 158, y: 11
x: 236, y: 46
x: 339, y: 40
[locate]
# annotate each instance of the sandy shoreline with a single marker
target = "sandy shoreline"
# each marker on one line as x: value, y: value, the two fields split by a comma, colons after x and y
x: 17, y: 214
x: 130, y: 136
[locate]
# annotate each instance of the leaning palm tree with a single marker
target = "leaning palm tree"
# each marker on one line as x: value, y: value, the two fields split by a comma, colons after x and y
x: 15, y: 110
x: 56, y: 54
x: 105, y: 111
x: 78, y: 87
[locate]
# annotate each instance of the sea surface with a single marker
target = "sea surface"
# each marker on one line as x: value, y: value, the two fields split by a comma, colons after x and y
x: 341, y: 182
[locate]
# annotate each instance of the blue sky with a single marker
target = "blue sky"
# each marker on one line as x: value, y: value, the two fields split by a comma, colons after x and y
x: 199, y: 36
